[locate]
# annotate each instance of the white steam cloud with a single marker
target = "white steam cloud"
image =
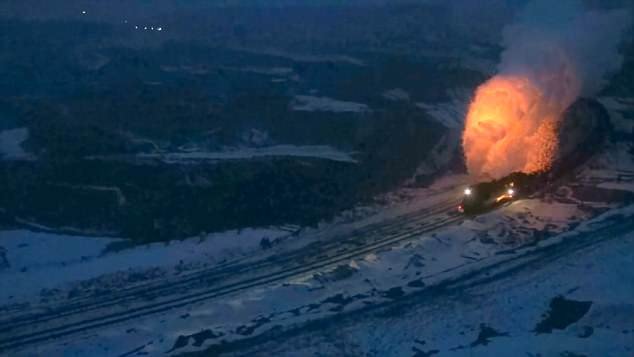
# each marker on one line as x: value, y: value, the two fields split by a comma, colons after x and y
x: 556, y: 52
x: 566, y: 50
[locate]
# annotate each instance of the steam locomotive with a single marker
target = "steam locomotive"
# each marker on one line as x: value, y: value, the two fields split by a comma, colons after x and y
x: 586, y: 125
x: 486, y: 196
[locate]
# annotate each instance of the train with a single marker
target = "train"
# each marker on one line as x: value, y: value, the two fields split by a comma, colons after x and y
x: 486, y: 196
x: 582, y: 132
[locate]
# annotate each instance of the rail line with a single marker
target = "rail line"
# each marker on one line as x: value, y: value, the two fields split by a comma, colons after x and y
x: 12, y: 342
x: 215, y: 273
x: 469, y: 279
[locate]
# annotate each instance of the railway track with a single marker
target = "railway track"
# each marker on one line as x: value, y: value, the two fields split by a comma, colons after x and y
x: 504, y: 266
x: 22, y: 331
x: 213, y: 274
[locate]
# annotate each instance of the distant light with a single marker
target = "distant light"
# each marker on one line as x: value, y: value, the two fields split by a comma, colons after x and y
x: 159, y: 29
x: 152, y: 28
x: 125, y: 21
x: 467, y: 191
x: 83, y: 12
x: 511, y: 192
x: 136, y: 27
x: 145, y: 28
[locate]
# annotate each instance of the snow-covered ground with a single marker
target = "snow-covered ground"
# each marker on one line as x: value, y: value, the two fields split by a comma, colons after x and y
x: 196, y: 155
x: 302, y: 57
x: 308, y: 103
x: 31, y: 269
x: 315, y: 151
x: 577, y: 304
x: 491, y: 285
x: 11, y: 144
x: 396, y: 94
x: 254, y: 144
x: 379, y: 277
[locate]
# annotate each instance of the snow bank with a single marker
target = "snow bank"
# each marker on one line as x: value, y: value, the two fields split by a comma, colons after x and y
x: 45, y: 261
x: 11, y: 144
x: 315, y: 151
x: 396, y: 94
x: 309, y: 103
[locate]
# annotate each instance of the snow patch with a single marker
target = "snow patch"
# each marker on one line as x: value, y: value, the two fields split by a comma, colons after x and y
x: 307, y: 58
x: 32, y: 266
x: 11, y: 144
x: 255, y: 137
x: 396, y: 94
x: 309, y: 151
x: 308, y: 103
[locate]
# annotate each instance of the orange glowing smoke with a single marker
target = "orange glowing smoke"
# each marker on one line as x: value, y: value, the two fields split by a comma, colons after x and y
x: 511, y: 126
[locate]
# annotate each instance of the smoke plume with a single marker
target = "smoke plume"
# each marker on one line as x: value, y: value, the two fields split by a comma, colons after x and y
x: 556, y: 52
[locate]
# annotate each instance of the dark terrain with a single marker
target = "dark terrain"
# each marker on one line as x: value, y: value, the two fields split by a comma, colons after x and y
x: 94, y: 92
x: 92, y: 101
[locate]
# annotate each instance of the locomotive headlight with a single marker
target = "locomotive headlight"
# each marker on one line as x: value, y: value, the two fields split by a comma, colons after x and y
x: 467, y: 191
x: 511, y: 192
